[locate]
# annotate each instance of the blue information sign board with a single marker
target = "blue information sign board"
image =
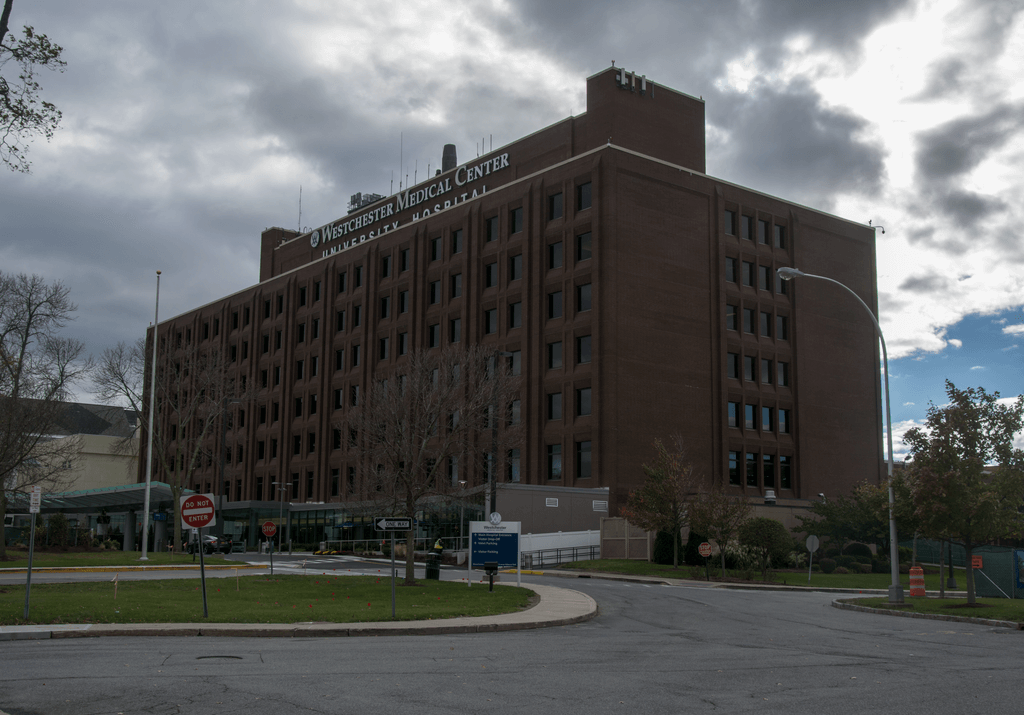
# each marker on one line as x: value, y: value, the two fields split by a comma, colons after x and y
x: 490, y: 542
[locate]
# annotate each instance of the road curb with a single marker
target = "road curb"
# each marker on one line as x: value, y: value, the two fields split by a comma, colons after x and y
x: 846, y: 606
x: 129, y: 569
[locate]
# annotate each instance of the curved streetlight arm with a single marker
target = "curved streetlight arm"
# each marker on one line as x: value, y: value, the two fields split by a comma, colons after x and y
x: 895, y: 589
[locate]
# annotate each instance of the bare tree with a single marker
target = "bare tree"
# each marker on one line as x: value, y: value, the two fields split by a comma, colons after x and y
x: 22, y: 114
x: 193, y: 392
x: 418, y: 429
x: 118, y: 379
x: 38, y: 367
x: 661, y: 503
x: 719, y: 515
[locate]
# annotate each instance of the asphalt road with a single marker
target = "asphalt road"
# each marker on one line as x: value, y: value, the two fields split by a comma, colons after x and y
x: 652, y: 649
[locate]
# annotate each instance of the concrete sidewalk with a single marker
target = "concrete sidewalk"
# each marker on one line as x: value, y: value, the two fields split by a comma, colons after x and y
x: 556, y: 607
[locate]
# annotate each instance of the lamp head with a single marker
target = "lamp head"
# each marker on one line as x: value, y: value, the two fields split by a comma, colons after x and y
x: 788, y: 274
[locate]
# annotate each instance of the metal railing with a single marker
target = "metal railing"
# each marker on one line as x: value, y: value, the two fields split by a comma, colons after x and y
x: 554, y: 557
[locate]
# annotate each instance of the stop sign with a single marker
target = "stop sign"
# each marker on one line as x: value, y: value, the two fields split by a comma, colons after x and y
x: 269, y: 528
x: 704, y: 549
x: 197, y: 511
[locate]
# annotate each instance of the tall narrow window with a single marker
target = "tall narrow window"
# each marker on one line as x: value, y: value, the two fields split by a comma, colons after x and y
x: 730, y: 270
x: 782, y: 327
x: 751, y: 469
x: 490, y: 275
x: 555, y: 255
x: 555, y: 304
x: 785, y: 472
x: 583, y: 459
x: 385, y: 306
x: 584, y: 245
x: 515, y: 267
x: 766, y: 371
x: 554, y: 355
x: 457, y: 241
x: 749, y: 417
x: 555, y: 406
x: 554, y: 461
x: 435, y: 248
x: 784, y: 422
x: 490, y: 321
x: 434, y: 335
x: 583, y: 402
x: 747, y: 228
x: 732, y: 365
x: 762, y: 231
x: 780, y: 237
x: 515, y: 315
x: 583, y: 298
x: 730, y: 317
x: 385, y: 267
x: 729, y: 222
x: 455, y: 330
x: 782, y: 374
x: 734, y: 414
x: 583, y: 200
x: 555, y: 206
x: 734, y: 468
x: 766, y: 419
x: 456, y: 282
x: 515, y: 220
x: 491, y: 229
x: 768, y: 470
x: 583, y: 349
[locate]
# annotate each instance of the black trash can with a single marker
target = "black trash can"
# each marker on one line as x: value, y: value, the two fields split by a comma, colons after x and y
x: 433, y: 567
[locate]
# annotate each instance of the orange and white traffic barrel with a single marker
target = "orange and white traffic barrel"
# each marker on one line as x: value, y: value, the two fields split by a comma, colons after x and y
x: 917, y: 581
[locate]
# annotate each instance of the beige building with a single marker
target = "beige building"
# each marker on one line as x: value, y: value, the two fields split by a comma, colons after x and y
x: 106, y: 459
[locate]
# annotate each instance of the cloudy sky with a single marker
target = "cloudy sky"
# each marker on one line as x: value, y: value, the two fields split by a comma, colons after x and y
x: 190, y: 126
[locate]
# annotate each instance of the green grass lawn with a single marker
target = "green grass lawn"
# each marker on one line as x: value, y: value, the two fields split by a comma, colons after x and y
x: 19, y: 559
x: 788, y: 578
x: 259, y: 599
x: 999, y: 609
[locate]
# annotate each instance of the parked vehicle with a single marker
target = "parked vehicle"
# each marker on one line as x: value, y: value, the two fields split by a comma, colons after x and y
x: 211, y: 545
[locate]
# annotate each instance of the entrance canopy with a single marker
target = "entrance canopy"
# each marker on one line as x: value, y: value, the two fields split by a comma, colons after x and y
x: 127, y: 497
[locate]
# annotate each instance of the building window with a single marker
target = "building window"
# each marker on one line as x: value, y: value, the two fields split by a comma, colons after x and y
x: 782, y: 374
x: 403, y: 343
x: 784, y: 422
x: 583, y: 349
x: 555, y: 206
x: 263, y: 414
x: 729, y: 222
x: 490, y: 275
x: 766, y: 371
x: 358, y: 277
x: 583, y: 196
x: 513, y: 465
x: 354, y: 395
x: 554, y: 461
x: 434, y: 335
x: 751, y: 469
x: 555, y: 304
x: 749, y: 417
x: 748, y: 320
x: 457, y: 241
x: 339, y: 321
x: 583, y: 247
x: 781, y: 286
x: 583, y: 459
x: 309, y: 483
x: 780, y: 237
x: 403, y: 259
x: 768, y: 470
x: 583, y: 298
x: 764, y: 281
x: 299, y: 369
x: 785, y: 472
x: 455, y: 330
x: 435, y: 292
x: 555, y: 255
x: 277, y: 375
x: 403, y: 301
x: 555, y: 406
x: 280, y: 309
x: 385, y: 267
x: 296, y: 444
x: 749, y: 373
x: 342, y: 281
x: 515, y: 220
x: 748, y: 274
x: 300, y: 333
x: 312, y: 404
x: 515, y: 315
x: 766, y: 325
x: 435, y: 248
x: 302, y: 296
x: 266, y: 309
x: 583, y: 402
x: 515, y: 267
x: 339, y: 398
x: 734, y: 468
x: 730, y: 317
x: 732, y: 365
x: 491, y: 229
x: 335, y: 478
x: 490, y: 321
x: 278, y: 337
x: 747, y: 228
x: 766, y: 419
x: 456, y: 282
x: 357, y: 316
x: 730, y: 270
x: 762, y: 231
x: 298, y: 407
x: 734, y: 414
x: 275, y: 416
x: 264, y: 381
x: 385, y: 306
x: 355, y: 355
x: 782, y: 327
x: 339, y: 359
x: 554, y: 355
x: 383, y: 346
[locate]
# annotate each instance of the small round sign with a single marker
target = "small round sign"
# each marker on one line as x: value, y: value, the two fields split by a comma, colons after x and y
x: 495, y: 518
x: 269, y: 528
x: 704, y: 549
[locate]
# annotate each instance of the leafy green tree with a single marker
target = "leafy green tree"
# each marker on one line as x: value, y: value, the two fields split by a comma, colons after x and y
x: 661, y: 503
x: 720, y: 516
x: 967, y: 478
x: 768, y: 539
x: 22, y: 113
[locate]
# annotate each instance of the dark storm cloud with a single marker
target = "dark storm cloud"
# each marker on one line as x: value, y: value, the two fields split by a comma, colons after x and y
x: 958, y: 146
x: 784, y: 141
x: 928, y: 283
x: 968, y: 208
x: 944, y: 78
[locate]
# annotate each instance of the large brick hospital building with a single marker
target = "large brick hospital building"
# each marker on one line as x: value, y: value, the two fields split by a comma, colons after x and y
x: 637, y: 295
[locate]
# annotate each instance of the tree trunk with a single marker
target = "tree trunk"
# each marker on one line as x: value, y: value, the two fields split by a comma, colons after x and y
x: 722, y: 549
x: 3, y: 515
x: 971, y: 597
x: 675, y: 549
x: 942, y: 572
x: 176, y: 499
x: 410, y: 558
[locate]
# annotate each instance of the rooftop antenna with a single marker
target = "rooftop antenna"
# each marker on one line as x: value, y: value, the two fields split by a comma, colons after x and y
x: 492, y: 142
x: 392, y: 181
x: 300, y: 209
x: 401, y: 157
x: 415, y: 171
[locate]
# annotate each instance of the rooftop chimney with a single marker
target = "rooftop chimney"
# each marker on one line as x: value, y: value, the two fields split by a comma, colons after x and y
x: 448, y: 160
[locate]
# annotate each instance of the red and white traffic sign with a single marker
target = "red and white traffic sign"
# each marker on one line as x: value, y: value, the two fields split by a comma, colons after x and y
x: 704, y: 549
x: 269, y: 528
x: 197, y: 511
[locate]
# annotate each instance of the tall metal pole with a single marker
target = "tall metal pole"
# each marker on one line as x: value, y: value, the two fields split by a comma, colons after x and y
x: 149, y: 437
x: 895, y: 588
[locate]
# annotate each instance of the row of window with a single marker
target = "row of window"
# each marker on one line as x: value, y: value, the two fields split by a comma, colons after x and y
x: 756, y: 369
x: 757, y: 322
x: 767, y: 233
x: 584, y: 460
x: 770, y: 418
x: 738, y: 270
x: 584, y: 403
x: 761, y: 470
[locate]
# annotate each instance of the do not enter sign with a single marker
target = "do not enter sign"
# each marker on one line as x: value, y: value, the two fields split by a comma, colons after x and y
x: 704, y: 549
x: 197, y: 511
x: 269, y: 528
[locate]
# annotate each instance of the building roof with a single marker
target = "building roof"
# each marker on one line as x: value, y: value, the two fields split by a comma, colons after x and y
x: 104, y: 420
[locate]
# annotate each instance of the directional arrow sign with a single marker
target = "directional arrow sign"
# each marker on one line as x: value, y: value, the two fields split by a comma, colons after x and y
x: 392, y: 523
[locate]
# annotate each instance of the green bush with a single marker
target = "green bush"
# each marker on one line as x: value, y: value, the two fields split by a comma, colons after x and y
x: 842, y: 569
x: 663, y: 548
x: 692, y: 553
x: 769, y: 541
x: 845, y: 561
x: 864, y: 568
x: 59, y: 529
x: 906, y: 554
x: 880, y: 566
x: 827, y: 565
x: 858, y: 550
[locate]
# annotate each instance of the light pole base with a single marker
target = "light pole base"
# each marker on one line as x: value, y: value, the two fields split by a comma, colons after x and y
x: 896, y: 594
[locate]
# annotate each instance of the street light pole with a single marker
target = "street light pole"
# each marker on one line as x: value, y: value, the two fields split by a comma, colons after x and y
x: 149, y: 436
x: 280, y: 517
x: 895, y: 588
x: 492, y: 481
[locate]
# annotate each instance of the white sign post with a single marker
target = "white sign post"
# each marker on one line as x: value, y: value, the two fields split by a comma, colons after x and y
x: 35, y: 500
x: 196, y: 512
